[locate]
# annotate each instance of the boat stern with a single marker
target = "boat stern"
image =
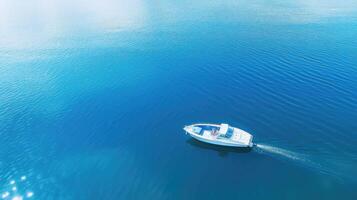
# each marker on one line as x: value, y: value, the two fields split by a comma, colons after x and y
x: 251, y: 144
x: 248, y: 140
x: 244, y: 138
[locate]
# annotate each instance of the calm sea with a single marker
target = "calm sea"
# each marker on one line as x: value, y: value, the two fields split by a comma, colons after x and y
x: 94, y: 96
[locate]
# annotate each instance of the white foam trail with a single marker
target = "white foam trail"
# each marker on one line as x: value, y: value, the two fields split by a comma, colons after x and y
x: 299, y: 158
x: 280, y: 151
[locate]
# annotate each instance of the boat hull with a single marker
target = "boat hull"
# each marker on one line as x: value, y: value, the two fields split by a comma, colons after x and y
x: 218, y: 142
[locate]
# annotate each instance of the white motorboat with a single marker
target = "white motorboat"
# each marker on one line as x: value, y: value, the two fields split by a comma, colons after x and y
x: 220, y: 134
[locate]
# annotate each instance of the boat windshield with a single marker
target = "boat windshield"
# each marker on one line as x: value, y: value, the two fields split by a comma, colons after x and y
x: 229, y: 132
x: 226, y: 130
x: 197, y: 130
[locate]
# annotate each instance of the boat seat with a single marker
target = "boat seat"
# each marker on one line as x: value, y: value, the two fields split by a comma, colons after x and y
x: 207, y: 134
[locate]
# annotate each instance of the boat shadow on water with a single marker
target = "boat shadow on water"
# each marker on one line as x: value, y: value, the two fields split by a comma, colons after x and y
x: 221, y: 150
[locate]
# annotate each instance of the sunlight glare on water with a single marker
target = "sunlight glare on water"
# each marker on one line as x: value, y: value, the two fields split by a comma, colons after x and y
x: 16, y: 190
x: 94, y: 95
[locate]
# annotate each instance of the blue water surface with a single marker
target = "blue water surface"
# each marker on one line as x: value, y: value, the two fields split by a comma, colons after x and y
x: 94, y: 96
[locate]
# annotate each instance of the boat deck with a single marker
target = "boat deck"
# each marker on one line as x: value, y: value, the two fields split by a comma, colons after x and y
x: 220, y: 134
x: 205, y: 129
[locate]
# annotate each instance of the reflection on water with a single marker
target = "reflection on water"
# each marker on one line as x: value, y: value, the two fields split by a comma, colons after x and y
x: 221, y: 150
x: 55, y: 19
x: 16, y: 189
x: 86, y: 88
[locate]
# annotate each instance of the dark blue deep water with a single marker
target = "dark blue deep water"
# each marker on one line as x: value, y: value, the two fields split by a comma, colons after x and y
x: 94, y: 96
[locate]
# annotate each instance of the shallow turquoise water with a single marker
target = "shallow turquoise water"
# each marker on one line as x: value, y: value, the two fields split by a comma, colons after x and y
x: 94, y: 96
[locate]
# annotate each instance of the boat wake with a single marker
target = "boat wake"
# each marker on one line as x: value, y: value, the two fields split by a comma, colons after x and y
x: 299, y: 158
x: 263, y: 148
